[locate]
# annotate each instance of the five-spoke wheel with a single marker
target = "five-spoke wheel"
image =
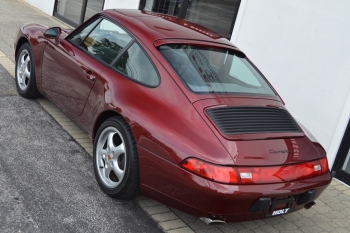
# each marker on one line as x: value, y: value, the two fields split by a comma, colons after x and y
x: 25, y: 73
x: 116, y: 160
x: 23, y: 70
x: 111, y: 157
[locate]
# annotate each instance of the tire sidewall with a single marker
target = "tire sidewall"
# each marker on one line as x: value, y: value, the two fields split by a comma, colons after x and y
x: 121, y: 188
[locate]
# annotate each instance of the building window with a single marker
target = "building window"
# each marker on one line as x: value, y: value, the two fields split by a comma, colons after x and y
x: 217, y: 15
x: 75, y: 12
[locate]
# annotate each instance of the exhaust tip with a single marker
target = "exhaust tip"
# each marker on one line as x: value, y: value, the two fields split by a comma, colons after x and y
x: 213, y: 220
x: 309, y: 205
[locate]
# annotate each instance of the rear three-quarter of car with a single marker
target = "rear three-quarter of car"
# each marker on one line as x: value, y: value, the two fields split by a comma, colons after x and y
x: 179, y: 111
x: 274, y: 168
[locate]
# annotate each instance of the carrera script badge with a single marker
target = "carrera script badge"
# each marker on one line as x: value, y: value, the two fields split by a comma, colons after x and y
x: 278, y: 151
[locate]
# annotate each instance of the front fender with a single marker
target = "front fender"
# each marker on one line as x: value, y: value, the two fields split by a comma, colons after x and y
x: 34, y: 35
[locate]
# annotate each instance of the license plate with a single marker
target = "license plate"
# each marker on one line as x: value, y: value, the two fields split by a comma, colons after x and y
x: 281, y: 206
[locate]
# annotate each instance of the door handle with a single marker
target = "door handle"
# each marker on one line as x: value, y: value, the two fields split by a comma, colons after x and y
x: 90, y: 75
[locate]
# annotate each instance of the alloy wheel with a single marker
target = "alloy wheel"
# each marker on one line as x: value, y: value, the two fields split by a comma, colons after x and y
x: 111, y: 157
x: 23, y: 70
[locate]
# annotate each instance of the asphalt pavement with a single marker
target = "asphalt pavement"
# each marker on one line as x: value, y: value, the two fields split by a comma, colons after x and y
x: 46, y: 178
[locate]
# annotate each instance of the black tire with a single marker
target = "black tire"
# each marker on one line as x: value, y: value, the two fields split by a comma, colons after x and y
x: 107, y: 159
x: 25, y: 73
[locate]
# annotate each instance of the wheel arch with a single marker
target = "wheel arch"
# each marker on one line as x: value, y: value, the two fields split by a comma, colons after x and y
x: 20, y: 42
x: 102, y: 118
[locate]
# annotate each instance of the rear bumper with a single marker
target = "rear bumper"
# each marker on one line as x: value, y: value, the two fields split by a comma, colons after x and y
x: 178, y: 188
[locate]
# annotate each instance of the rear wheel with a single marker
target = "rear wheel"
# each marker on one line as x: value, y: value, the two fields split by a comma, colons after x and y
x: 115, y: 159
x: 25, y: 73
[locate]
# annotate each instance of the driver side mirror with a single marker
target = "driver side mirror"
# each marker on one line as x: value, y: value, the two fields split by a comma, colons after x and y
x: 53, y: 32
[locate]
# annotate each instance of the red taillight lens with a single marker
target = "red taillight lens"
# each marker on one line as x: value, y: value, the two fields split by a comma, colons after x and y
x: 256, y: 175
x: 276, y: 174
x: 324, y: 165
x: 210, y: 171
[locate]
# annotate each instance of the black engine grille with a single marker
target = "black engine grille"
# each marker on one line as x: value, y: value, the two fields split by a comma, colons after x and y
x: 248, y: 120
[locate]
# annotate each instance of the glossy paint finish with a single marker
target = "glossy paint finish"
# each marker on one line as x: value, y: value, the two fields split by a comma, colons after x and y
x: 169, y: 122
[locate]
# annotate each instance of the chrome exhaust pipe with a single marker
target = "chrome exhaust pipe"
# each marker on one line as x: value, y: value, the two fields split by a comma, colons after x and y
x: 309, y: 205
x: 214, y: 220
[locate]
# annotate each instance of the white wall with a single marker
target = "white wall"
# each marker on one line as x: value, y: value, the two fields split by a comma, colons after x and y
x: 44, y: 5
x: 122, y: 4
x: 303, y: 48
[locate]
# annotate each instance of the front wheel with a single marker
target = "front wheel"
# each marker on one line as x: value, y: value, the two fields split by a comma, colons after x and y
x: 115, y: 159
x: 25, y: 73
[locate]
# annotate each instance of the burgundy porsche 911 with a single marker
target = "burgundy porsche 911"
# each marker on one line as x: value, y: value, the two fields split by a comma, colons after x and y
x: 176, y: 112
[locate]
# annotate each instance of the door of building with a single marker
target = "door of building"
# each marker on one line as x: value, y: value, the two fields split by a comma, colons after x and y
x: 217, y: 15
x: 75, y: 12
x: 341, y: 165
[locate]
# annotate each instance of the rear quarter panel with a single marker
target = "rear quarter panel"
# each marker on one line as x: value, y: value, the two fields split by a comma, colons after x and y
x: 162, y: 119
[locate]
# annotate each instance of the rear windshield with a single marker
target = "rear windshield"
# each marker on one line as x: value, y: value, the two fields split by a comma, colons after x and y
x: 214, y: 70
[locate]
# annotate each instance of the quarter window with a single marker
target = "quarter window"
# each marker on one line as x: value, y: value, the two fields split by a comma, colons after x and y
x: 135, y: 64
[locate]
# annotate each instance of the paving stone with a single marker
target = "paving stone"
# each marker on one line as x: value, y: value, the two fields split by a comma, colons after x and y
x: 184, y: 217
x: 232, y: 227
x: 199, y: 224
x: 253, y: 224
x: 322, y: 209
x: 164, y: 217
x: 329, y: 226
x: 341, y: 230
x: 304, y: 222
x: 181, y: 230
x: 173, y: 224
x: 210, y: 230
x: 344, y: 223
x: 268, y: 228
x: 341, y: 187
x: 285, y: 226
x: 149, y: 203
x: 156, y: 209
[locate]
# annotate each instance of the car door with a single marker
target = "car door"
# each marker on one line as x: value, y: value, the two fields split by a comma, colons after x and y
x: 71, y: 66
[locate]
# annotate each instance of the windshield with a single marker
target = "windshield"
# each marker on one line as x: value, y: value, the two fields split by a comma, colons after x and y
x: 214, y: 70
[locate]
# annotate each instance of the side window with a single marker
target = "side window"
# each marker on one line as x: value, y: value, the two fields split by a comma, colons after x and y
x: 106, y: 41
x: 79, y: 37
x: 135, y: 64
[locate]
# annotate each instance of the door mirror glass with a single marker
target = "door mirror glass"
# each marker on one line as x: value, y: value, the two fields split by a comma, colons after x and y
x: 53, y: 32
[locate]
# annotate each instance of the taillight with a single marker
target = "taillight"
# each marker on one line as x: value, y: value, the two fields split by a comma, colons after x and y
x: 210, y: 171
x: 324, y: 165
x: 276, y: 174
x: 256, y: 175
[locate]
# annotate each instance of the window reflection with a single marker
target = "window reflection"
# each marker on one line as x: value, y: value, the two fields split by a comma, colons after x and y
x: 216, y: 15
x: 169, y: 7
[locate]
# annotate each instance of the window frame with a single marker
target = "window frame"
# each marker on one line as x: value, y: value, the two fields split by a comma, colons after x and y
x: 100, y: 17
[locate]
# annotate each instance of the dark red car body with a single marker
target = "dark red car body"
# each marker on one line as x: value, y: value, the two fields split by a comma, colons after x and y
x: 169, y: 122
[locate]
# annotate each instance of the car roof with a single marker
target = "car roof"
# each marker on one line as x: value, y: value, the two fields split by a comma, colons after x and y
x: 152, y: 26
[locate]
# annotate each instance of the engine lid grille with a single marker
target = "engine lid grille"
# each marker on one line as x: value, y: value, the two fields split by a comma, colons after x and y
x: 250, y: 120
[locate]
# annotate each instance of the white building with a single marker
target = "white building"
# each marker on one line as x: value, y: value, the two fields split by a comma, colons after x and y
x: 301, y: 46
